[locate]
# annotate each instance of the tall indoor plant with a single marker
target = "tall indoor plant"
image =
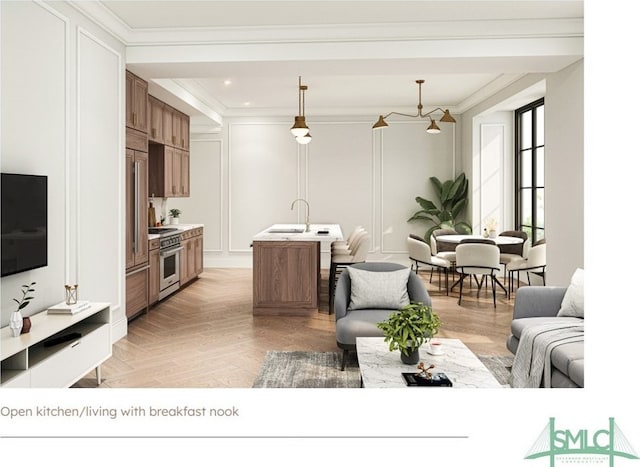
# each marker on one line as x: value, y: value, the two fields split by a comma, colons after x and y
x: 408, y: 328
x: 451, y: 203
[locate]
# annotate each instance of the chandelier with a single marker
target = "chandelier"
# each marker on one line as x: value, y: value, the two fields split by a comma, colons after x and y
x: 433, y: 127
x: 300, y: 129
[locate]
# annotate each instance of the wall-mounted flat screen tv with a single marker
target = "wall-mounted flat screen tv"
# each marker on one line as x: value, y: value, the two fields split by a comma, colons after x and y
x: 24, y: 222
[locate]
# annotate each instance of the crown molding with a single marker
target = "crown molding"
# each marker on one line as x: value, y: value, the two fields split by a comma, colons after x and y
x: 379, y: 32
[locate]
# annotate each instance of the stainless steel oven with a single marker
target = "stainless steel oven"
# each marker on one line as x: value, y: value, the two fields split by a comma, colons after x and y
x: 170, y: 249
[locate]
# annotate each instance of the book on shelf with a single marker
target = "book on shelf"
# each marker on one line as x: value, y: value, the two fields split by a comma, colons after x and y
x: 64, y: 309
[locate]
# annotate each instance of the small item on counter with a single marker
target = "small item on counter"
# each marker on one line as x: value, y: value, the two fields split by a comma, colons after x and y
x: 152, y: 215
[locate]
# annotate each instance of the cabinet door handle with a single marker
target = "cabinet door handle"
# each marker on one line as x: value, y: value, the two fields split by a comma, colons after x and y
x: 136, y: 207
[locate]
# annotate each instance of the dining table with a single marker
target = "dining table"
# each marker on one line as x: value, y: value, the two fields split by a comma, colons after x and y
x: 499, y: 240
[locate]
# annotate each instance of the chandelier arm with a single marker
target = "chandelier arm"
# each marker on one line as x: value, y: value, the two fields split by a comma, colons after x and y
x: 432, y: 111
x: 404, y: 115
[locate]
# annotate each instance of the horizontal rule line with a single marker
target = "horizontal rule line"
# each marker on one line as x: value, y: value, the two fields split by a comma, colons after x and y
x: 229, y: 437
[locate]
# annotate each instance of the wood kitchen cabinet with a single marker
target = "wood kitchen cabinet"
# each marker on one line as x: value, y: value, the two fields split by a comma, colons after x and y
x: 136, y: 194
x: 137, y: 168
x: 169, y: 158
x: 191, y: 260
x: 137, y: 93
x: 154, y: 270
x: 169, y: 171
x: 156, y: 127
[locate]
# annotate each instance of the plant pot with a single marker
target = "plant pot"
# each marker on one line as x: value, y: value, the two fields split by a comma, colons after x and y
x: 174, y: 220
x: 411, y: 359
x: 15, y: 323
x: 26, y: 325
x: 493, y: 234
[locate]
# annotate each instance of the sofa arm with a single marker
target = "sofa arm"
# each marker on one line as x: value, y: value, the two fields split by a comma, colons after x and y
x: 538, y: 301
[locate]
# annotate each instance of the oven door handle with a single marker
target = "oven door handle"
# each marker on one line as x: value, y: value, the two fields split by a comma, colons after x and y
x: 164, y: 254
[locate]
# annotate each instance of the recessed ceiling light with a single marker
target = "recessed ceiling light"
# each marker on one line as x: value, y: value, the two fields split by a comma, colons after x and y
x: 227, y: 82
x: 247, y: 104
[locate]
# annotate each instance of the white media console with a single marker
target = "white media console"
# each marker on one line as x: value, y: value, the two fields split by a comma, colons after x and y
x: 29, y: 361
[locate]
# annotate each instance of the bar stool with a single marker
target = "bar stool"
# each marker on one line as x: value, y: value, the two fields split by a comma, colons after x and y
x: 339, y: 262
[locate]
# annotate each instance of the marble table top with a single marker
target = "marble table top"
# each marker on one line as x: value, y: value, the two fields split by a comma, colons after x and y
x: 381, y: 368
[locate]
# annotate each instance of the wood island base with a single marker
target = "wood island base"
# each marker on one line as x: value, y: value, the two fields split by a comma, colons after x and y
x: 286, y: 277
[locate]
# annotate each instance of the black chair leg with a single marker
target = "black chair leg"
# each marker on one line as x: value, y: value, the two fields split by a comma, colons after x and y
x: 344, y: 359
x: 493, y: 286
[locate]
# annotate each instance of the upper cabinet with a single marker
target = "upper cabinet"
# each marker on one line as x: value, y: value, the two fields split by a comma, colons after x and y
x: 156, y: 126
x: 136, y: 105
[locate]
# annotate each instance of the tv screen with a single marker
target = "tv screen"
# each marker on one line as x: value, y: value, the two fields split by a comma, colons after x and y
x: 24, y: 222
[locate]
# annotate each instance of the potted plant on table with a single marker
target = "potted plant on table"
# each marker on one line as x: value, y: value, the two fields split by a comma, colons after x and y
x: 17, y: 323
x: 175, y: 214
x: 408, y: 328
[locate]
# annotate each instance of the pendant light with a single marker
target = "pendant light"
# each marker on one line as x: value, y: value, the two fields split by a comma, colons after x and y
x: 433, y: 128
x: 300, y: 129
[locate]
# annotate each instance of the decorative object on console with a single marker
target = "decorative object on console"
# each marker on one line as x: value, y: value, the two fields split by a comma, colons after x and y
x: 408, y: 328
x: 175, y: 214
x: 300, y: 129
x: 71, y: 294
x: 68, y: 309
x: 16, y: 321
x: 433, y: 127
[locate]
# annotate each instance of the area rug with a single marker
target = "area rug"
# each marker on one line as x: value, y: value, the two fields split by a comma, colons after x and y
x: 298, y: 369
x: 499, y: 366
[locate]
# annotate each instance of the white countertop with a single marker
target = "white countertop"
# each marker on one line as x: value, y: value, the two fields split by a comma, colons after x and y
x: 335, y: 233
x: 180, y: 227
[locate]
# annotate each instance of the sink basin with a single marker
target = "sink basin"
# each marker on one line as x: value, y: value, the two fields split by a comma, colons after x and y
x: 286, y: 231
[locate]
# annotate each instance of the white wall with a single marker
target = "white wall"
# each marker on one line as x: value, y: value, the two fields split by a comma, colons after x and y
x: 62, y: 116
x: 564, y: 163
x: 564, y: 173
x: 349, y: 174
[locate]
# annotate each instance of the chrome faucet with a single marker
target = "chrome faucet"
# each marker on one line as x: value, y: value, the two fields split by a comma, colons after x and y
x: 305, y: 202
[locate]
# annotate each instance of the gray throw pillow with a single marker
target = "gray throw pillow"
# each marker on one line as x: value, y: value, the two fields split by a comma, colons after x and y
x: 573, y: 300
x: 382, y: 289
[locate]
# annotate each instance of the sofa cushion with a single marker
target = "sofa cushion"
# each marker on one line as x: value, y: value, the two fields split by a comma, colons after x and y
x: 573, y: 300
x: 378, y: 290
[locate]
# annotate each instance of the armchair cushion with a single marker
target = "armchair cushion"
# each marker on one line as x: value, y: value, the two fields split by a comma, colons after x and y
x: 378, y: 290
x: 573, y: 301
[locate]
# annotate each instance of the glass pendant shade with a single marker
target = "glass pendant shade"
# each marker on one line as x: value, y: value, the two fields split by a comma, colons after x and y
x: 299, y: 127
x: 305, y: 139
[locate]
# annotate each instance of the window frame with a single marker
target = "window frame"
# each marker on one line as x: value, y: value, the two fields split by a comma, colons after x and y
x: 535, y: 186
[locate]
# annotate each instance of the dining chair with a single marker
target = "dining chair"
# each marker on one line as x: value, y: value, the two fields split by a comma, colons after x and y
x: 420, y: 253
x: 478, y: 259
x: 339, y: 262
x: 513, y: 252
x: 535, y: 263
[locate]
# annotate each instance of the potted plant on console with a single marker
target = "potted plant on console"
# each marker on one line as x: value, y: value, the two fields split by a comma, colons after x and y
x: 408, y: 328
x: 175, y: 215
x: 17, y: 323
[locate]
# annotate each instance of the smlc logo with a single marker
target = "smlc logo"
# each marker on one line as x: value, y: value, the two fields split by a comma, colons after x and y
x: 581, y: 446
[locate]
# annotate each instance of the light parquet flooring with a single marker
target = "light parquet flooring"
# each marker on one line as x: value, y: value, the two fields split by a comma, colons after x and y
x: 205, y: 335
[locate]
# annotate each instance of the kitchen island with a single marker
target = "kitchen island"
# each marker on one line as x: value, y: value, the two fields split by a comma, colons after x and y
x: 286, y: 268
